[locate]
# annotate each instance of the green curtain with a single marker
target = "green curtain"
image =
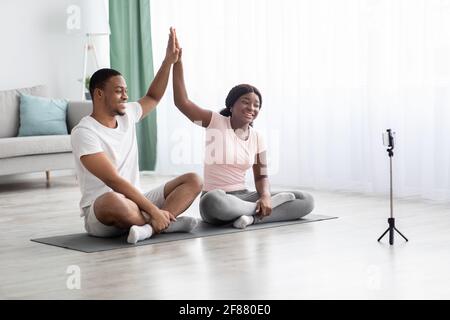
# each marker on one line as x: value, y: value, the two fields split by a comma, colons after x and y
x: 131, y: 55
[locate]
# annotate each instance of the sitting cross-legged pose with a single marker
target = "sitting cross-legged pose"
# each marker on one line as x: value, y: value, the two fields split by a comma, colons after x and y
x: 106, y: 160
x: 232, y: 147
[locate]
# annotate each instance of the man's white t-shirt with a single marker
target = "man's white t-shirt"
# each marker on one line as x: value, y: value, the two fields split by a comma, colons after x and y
x: 119, y: 144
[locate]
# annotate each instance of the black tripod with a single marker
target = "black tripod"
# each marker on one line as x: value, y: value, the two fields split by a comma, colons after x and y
x: 391, y: 220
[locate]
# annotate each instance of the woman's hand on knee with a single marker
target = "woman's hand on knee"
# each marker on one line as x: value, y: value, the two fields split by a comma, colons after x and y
x: 264, y: 207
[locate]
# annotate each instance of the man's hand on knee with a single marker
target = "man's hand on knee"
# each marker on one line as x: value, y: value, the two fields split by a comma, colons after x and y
x: 161, y: 220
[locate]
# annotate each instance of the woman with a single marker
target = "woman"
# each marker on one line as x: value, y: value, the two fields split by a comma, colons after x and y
x: 233, y: 147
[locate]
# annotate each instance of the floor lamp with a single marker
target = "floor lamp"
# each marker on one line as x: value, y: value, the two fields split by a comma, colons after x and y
x: 94, y: 22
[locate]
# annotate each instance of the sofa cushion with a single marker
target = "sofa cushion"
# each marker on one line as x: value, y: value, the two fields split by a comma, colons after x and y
x: 42, y: 116
x: 76, y: 111
x: 9, y: 108
x: 24, y: 146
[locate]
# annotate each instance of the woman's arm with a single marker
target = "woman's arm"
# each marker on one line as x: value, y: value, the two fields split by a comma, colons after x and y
x: 188, y: 108
x: 263, y: 205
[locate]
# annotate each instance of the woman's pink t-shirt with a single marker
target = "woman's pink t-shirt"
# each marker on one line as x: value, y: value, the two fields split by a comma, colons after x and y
x: 228, y: 157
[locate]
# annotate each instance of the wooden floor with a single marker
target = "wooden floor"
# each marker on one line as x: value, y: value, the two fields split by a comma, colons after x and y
x: 336, y: 259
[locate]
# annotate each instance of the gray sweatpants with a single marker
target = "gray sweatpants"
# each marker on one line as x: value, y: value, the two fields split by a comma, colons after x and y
x: 220, y: 207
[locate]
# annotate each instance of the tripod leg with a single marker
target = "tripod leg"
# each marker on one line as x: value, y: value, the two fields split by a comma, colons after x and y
x: 391, y: 235
x: 391, y: 222
x: 383, y: 234
x: 400, y: 234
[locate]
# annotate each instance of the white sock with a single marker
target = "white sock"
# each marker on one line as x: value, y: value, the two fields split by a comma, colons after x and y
x: 139, y: 233
x: 183, y: 224
x: 281, y: 198
x: 243, y: 221
x: 276, y: 200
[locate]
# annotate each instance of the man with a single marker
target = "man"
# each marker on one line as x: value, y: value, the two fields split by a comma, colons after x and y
x: 106, y: 157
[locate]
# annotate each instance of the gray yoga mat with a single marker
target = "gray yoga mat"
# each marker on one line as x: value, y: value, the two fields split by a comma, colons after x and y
x: 85, y: 243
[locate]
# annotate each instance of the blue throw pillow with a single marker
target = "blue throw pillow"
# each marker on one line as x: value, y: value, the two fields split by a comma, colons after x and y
x: 42, y: 116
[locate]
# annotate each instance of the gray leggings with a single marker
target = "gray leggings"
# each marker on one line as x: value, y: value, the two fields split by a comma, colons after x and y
x: 220, y: 207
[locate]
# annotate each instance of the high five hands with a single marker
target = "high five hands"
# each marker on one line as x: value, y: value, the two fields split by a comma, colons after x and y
x: 173, y: 50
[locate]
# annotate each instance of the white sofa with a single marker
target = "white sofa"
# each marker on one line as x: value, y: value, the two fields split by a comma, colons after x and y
x: 34, y: 153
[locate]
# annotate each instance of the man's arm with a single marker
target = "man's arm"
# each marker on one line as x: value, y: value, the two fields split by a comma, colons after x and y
x: 100, y: 166
x: 159, y: 84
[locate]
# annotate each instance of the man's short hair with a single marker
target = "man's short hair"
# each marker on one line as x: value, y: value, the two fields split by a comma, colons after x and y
x: 99, y: 79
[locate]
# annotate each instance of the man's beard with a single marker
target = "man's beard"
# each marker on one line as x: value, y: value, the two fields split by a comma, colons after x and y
x: 118, y: 112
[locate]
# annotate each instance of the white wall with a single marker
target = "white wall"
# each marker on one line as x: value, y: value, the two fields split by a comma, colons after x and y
x: 37, y: 49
